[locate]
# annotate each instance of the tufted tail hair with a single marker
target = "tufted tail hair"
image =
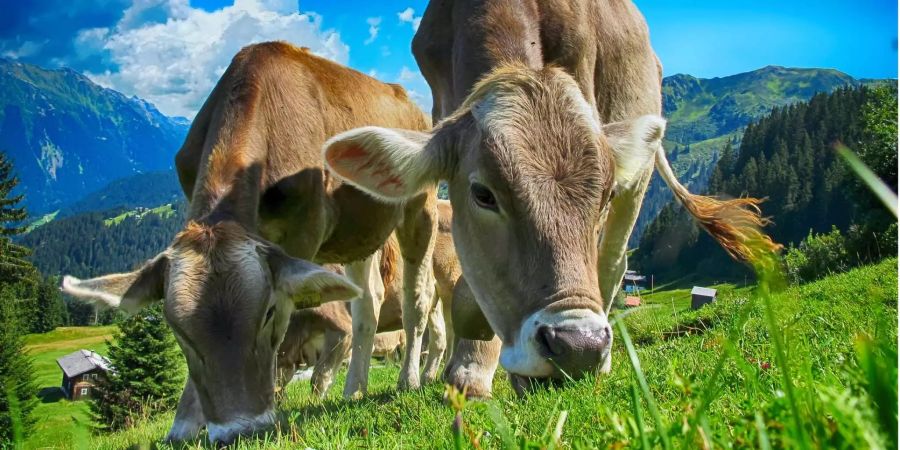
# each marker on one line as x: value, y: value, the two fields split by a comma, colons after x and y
x: 736, y: 224
x: 389, y: 266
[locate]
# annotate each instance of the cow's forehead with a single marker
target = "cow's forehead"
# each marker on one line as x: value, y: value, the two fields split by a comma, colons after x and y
x: 215, y: 270
x: 544, y: 140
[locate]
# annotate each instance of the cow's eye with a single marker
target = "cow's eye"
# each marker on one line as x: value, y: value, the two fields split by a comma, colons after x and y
x: 483, y: 197
x: 269, y: 314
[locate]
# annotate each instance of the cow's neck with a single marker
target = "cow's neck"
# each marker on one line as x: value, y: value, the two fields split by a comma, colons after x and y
x: 507, y: 32
x: 227, y: 192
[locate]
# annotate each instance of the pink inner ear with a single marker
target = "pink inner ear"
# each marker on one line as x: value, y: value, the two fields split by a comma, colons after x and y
x: 355, y: 163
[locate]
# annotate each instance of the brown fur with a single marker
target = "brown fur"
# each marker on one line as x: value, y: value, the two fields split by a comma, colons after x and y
x: 261, y: 205
x: 553, y: 184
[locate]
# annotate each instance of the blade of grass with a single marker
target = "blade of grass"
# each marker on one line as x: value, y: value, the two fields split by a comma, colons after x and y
x: 638, y: 416
x: 557, y: 431
x: 642, y: 381
x: 763, y: 434
x: 881, y: 190
x: 781, y: 356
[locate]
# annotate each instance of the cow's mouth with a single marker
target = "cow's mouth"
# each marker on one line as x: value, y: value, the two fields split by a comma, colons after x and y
x: 524, y: 385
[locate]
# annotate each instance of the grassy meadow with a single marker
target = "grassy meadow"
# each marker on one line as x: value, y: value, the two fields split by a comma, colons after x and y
x: 59, y: 421
x: 717, y: 377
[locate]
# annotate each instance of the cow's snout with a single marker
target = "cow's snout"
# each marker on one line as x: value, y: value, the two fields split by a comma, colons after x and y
x: 574, y: 350
x: 559, y: 344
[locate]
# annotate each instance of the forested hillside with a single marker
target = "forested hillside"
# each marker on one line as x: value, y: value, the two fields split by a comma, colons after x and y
x: 789, y: 158
x: 96, y: 243
x: 706, y: 114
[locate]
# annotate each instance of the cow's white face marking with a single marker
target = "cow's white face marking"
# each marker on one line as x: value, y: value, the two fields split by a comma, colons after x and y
x: 524, y: 356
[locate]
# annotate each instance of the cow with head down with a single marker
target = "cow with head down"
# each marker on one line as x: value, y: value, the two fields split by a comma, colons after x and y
x: 261, y: 208
x: 549, y: 127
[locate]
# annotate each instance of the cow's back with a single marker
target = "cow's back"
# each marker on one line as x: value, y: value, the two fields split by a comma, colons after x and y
x: 271, y: 112
x: 603, y: 44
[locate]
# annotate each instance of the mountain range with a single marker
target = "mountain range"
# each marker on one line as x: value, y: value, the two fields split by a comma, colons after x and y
x: 68, y: 136
x: 705, y: 114
x: 80, y: 148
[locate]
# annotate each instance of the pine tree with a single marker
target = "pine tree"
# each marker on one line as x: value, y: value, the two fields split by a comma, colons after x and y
x: 17, y: 386
x: 13, y: 265
x: 148, y: 371
x: 48, y: 306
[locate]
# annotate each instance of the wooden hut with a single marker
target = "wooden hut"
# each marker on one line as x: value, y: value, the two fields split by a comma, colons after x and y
x: 81, y: 372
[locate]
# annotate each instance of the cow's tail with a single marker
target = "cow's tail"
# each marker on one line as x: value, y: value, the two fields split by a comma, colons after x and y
x: 736, y: 224
x: 389, y: 266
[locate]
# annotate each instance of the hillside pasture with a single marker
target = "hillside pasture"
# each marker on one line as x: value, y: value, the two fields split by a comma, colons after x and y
x: 717, y: 377
x: 60, y: 423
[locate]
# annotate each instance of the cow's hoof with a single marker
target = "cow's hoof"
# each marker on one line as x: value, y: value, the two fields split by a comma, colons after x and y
x: 406, y: 384
x: 475, y: 386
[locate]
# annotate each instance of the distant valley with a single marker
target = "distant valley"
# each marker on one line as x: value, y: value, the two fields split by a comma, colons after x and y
x: 68, y: 137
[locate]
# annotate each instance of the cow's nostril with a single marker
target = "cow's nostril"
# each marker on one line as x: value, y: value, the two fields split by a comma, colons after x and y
x: 547, y: 342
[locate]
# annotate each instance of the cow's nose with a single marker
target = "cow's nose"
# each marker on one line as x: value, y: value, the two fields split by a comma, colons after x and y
x: 575, y: 351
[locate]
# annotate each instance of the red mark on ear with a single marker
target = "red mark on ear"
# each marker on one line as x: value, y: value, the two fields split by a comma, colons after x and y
x: 350, y: 152
x: 392, y: 181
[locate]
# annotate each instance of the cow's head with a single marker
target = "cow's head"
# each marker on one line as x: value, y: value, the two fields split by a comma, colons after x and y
x: 531, y: 172
x: 228, y: 298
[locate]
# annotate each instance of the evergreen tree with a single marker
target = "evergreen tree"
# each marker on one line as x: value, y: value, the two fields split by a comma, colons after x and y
x: 13, y: 263
x: 49, y: 309
x: 148, y: 371
x: 17, y: 386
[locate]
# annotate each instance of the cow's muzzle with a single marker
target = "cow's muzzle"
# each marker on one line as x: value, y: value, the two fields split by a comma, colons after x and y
x: 560, y: 344
x: 574, y: 350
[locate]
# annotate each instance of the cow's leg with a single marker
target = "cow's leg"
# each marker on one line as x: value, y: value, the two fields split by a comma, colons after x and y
x: 611, y: 258
x: 416, y: 235
x: 188, y: 417
x: 364, y: 311
x: 437, y: 343
x: 448, y: 329
x: 337, y: 346
x: 472, y: 366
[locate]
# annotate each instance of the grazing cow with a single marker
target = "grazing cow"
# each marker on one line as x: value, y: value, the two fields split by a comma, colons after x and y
x: 549, y: 129
x: 261, y: 204
x: 320, y: 336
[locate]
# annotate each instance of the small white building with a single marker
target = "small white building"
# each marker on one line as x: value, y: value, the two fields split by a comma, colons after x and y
x: 701, y: 296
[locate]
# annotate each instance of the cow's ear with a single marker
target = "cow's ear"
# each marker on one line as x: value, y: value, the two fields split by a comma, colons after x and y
x: 127, y: 291
x: 391, y: 165
x: 308, y: 285
x: 634, y: 143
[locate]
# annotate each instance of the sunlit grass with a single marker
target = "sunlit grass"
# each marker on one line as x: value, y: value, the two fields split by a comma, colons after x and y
x: 714, y: 375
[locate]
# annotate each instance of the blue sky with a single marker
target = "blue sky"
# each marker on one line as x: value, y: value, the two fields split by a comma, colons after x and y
x: 171, y: 52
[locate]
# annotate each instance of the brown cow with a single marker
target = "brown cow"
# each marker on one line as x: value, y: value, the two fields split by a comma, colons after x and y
x: 320, y: 336
x: 252, y: 168
x: 550, y: 127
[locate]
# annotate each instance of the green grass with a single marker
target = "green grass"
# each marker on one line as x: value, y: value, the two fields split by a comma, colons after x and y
x: 60, y: 422
x: 163, y: 211
x: 708, y: 377
x: 41, y: 221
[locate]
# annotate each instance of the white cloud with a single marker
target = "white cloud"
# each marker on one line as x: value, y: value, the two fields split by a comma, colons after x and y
x: 408, y: 16
x: 373, y: 22
x: 175, y: 63
x: 27, y: 48
x: 408, y: 75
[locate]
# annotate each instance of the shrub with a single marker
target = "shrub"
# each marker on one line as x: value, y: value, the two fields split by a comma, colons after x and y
x: 147, y: 374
